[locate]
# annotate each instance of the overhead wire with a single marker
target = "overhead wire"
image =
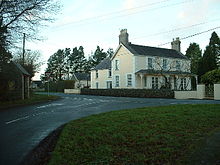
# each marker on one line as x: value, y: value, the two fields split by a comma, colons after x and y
x: 177, y: 29
x: 113, y: 14
x: 192, y: 35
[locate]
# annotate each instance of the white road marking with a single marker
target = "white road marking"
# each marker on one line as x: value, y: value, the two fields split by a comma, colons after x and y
x: 12, y: 121
x: 49, y: 105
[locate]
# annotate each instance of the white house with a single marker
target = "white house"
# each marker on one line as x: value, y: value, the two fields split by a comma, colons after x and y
x: 137, y: 66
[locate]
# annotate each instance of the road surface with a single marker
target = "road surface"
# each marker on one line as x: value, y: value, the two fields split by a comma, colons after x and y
x: 24, y: 127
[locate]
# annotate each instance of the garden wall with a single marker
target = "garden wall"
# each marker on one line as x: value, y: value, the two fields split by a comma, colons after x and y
x: 148, y: 93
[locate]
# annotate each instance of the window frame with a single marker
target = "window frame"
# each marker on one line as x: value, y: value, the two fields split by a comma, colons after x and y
x: 96, y: 74
x: 117, y: 64
x: 129, y: 80
x: 155, y: 83
x: 108, y: 83
x: 178, y: 65
x: 109, y: 73
x: 117, y: 82
x: 150, y: 63
x: 164, y: 64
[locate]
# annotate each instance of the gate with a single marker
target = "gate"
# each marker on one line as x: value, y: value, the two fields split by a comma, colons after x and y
x: 209, y: 91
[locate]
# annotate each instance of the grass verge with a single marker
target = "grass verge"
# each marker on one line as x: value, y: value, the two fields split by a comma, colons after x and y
x: 153, y: 135
x: 35, y: 98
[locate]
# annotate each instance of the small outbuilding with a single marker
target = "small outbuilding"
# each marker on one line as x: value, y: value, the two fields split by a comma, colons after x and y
x: 82, y: 80
x: 14, y: 82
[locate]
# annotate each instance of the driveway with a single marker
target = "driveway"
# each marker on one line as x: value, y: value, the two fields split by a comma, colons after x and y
x: 23, y: 128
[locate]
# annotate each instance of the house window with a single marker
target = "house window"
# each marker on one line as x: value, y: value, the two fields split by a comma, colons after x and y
x: 145, y: 81
x: 97, y: 85
x: 177, y: 65
x: 150, y: 63
x: 183, y: 84
x: 164, y: 64
x: 109, y: 73
x: 116, y: 64
x: 154, y: 82
x: 116, y: 81
x: 96, y: 74
x: 129, y: 80
x: 109, y: 84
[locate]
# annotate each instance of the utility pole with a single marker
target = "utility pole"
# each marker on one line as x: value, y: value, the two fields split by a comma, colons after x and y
x: 23, y: 48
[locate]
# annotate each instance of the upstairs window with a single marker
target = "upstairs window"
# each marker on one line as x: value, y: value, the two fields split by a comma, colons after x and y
x: 109, y: 73
x: 177, y: 65
x: 116, y: 64
x: 96, y: 74
x: 150, y: 63
x: 164, y: 64
x: 129, y: 80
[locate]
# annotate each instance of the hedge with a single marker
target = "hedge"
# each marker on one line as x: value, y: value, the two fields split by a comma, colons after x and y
x: 59, y: 86
x: 147, y: 93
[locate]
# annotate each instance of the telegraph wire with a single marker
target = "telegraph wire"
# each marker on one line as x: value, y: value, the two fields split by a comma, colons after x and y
x: 177, y: 29
x: 122, y: 11
x: 183, y: 38
x: 113, y: 13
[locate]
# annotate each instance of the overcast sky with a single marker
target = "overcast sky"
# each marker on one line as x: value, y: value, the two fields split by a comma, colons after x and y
x: 149, y: 22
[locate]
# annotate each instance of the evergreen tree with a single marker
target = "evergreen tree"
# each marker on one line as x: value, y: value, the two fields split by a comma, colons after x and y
x: 211, y: 54
x: 194, y: 53
x: 56, y: 65
x: 110, y: 52
x: 98, y: 56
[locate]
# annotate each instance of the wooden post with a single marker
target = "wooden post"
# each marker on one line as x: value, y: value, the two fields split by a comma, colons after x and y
x: 22, y: 87
x: 141, y: 81
x: 23, y: 48
x: 28, y: 87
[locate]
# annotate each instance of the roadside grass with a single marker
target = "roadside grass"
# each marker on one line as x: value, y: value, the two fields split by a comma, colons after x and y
x: 151, y: 135
x: 35, y: 98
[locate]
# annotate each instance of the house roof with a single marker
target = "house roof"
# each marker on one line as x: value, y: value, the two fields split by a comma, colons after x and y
x: 82, y: 76
x: 154, y: 51
x: 152, y: 71
x: 104, y: 64
x: 21, y: 69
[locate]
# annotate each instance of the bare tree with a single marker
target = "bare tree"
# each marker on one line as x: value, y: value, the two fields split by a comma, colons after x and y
x: 177, y: 68
x: 32, y: 61
x: 24, y: 16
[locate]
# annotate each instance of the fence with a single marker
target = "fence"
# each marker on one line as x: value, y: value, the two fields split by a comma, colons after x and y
x: 202, y: 92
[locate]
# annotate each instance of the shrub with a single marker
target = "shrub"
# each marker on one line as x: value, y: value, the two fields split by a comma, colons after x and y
x: 211, y: 77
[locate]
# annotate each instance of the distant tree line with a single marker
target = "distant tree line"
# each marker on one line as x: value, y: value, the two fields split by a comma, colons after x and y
x: 66, y: 61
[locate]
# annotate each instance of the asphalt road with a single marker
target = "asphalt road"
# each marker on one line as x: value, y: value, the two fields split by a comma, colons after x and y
x: 23, y: 128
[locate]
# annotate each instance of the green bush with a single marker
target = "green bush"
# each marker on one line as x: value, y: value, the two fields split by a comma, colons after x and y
x: 211, y: 77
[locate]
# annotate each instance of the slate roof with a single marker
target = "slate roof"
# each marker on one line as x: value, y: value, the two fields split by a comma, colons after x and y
x: 152, y: 71
x: 104, y: 64
x: 154, y: 51
x: 82, y: 76
x: 21, y: 69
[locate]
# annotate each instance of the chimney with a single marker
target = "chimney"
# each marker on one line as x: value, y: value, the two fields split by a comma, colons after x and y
x: 123, y: 37
x: 176, y: 44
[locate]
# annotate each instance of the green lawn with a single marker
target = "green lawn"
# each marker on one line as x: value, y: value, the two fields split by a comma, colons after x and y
x: 35, y: 98
x: 153, y: 135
